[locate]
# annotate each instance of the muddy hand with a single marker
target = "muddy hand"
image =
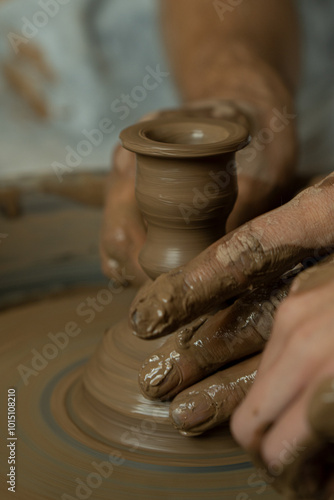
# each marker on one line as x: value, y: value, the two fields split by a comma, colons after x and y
x: 287, y: 418
x: 253, y: 254
x: 205, y: 346
x: 210, y: 342
x: 212, y: 401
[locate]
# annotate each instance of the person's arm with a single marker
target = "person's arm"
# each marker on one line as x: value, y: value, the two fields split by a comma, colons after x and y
x: 244, y: 59
x: 232, y: 53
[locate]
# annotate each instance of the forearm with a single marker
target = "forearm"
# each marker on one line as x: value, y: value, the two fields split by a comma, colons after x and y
x: 246, y: 52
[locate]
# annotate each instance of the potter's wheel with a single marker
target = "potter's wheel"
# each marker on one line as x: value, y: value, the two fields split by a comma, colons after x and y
x: 57, y: 443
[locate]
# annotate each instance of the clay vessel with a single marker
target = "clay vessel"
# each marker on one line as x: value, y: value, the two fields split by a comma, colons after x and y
x: 186, y: 185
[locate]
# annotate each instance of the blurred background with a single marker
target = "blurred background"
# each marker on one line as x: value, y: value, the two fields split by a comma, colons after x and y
x: 73, y: 74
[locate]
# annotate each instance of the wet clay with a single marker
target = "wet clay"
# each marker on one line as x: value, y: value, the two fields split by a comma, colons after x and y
x: 107, y: 395
x: 142, y: 455
x: 104, y: 402
x: 186, y: 185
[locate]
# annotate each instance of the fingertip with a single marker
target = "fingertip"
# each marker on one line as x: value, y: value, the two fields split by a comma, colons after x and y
x: 141, y: 326
x: 144, y: 317
x: 192, y: 414
x: 160, y: 376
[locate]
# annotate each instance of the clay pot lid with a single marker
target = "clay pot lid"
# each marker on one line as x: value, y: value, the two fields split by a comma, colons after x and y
x: 189, y: 137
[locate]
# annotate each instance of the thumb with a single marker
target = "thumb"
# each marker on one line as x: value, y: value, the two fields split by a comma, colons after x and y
x: 253, y: 254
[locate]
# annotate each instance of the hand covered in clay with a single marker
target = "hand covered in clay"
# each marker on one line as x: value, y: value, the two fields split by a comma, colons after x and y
x: 287, y: 419
x: 206, y: 345
x: 253, y: 255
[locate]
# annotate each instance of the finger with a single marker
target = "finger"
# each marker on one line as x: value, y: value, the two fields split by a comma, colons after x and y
x: 212, y: 401
x: 283, y: 453
x: 121, y: 239
x: 123, y: 232
x: 208, y: 343
x: 299, y: 363
x: 250, y: 255
x: 114, y: 262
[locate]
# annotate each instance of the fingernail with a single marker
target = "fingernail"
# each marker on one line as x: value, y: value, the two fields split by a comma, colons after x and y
x: 140, y: 324
x: 160, y: 375
x: 193, y: 413
x: 148, y: 320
